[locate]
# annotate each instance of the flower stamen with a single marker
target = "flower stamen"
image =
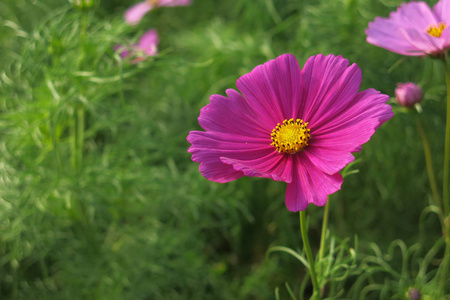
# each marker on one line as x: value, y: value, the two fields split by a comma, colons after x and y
x: 436, y: 30
x: 291, y: 136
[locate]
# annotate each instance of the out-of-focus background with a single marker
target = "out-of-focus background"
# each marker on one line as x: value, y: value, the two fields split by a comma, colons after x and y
x: 129, y: 216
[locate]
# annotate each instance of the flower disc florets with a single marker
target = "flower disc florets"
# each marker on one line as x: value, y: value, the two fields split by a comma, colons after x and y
x: 436, y: 31
x: 291, y: 136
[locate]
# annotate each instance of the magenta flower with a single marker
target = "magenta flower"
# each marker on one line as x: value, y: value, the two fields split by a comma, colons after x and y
x: 135, y: 13
x: 146, y: 46
x: 291, y: 125
x: 408, y: 94
x: 414, y: 29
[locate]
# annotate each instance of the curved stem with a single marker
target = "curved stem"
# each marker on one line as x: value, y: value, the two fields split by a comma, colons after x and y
x: 430, y: 171
x: 309, y: 254
x: 445, y: 263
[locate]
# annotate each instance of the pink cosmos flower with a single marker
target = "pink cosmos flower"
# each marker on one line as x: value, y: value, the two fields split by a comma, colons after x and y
x: 291, y: 125
x: 135, y: 13
x: 414, y: 29
x: 407, y: 94
x: 146, y: 46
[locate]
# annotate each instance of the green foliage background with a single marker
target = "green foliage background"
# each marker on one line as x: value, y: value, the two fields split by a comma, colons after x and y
x: 135, y: 219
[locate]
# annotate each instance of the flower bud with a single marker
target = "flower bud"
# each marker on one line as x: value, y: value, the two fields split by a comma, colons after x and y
x: 82, y: 3
x: 414, y: 294
x: 408, y: 94
x: 145, y: 47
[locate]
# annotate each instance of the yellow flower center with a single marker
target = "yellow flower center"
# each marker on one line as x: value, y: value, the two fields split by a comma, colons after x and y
x: 436, y: 31
x: 291, y: 136
x: 153, y: 2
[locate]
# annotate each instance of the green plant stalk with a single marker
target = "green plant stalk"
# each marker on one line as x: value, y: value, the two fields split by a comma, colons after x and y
x: 323, y: 234
x: 430, y: 171
x: 82, y: 39
x: 445, y: 199
x: 55, y: 141
x: 121, y: 94
x: 77, y: 134
x: 309, y: 255
x: 73, y: 142
x: 79, y: 107
x: 80, y: 133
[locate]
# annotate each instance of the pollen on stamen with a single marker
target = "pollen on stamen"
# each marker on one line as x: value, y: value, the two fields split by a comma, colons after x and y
x: 436, y: 30
x: 291, y: 136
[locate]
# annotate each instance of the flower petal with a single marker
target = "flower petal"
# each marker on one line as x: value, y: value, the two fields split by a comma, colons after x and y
x: 330, y: 146
x: 429, y: 44
x: 208, y: 148
x: 174, y: 2
x: 232, y: 115
x: 272, y: 90
x: 135, y: 13
x: 385, y: 33
x: 328, y: 160
x: 446, y: 37
x: 328, y: 85
x: 442, y: 11
x: 368, y: 104
x: 309, y: 185
x: 148, y: 42
x: 417, y: 15
x: 272, y: 165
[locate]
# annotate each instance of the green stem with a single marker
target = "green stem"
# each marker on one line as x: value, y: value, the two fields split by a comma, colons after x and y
x: 121, y: 94
x: 82, y: 39
x: 80, y: 133
x: 55, y: 141
x: 430, y: 171
x: 77, y: 134
x: 73, y: 141
x: 309, y: 254
x: 445, y: 263
x: 445, y: 199
x: 77, y: 129
x: 323, y: 235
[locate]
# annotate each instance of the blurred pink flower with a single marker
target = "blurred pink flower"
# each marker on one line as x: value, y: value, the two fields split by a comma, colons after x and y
x: 135, y: 13
x: 146, y: 46
x: 408, y: 94
x: 414, y: 29
x: 291, y: 125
